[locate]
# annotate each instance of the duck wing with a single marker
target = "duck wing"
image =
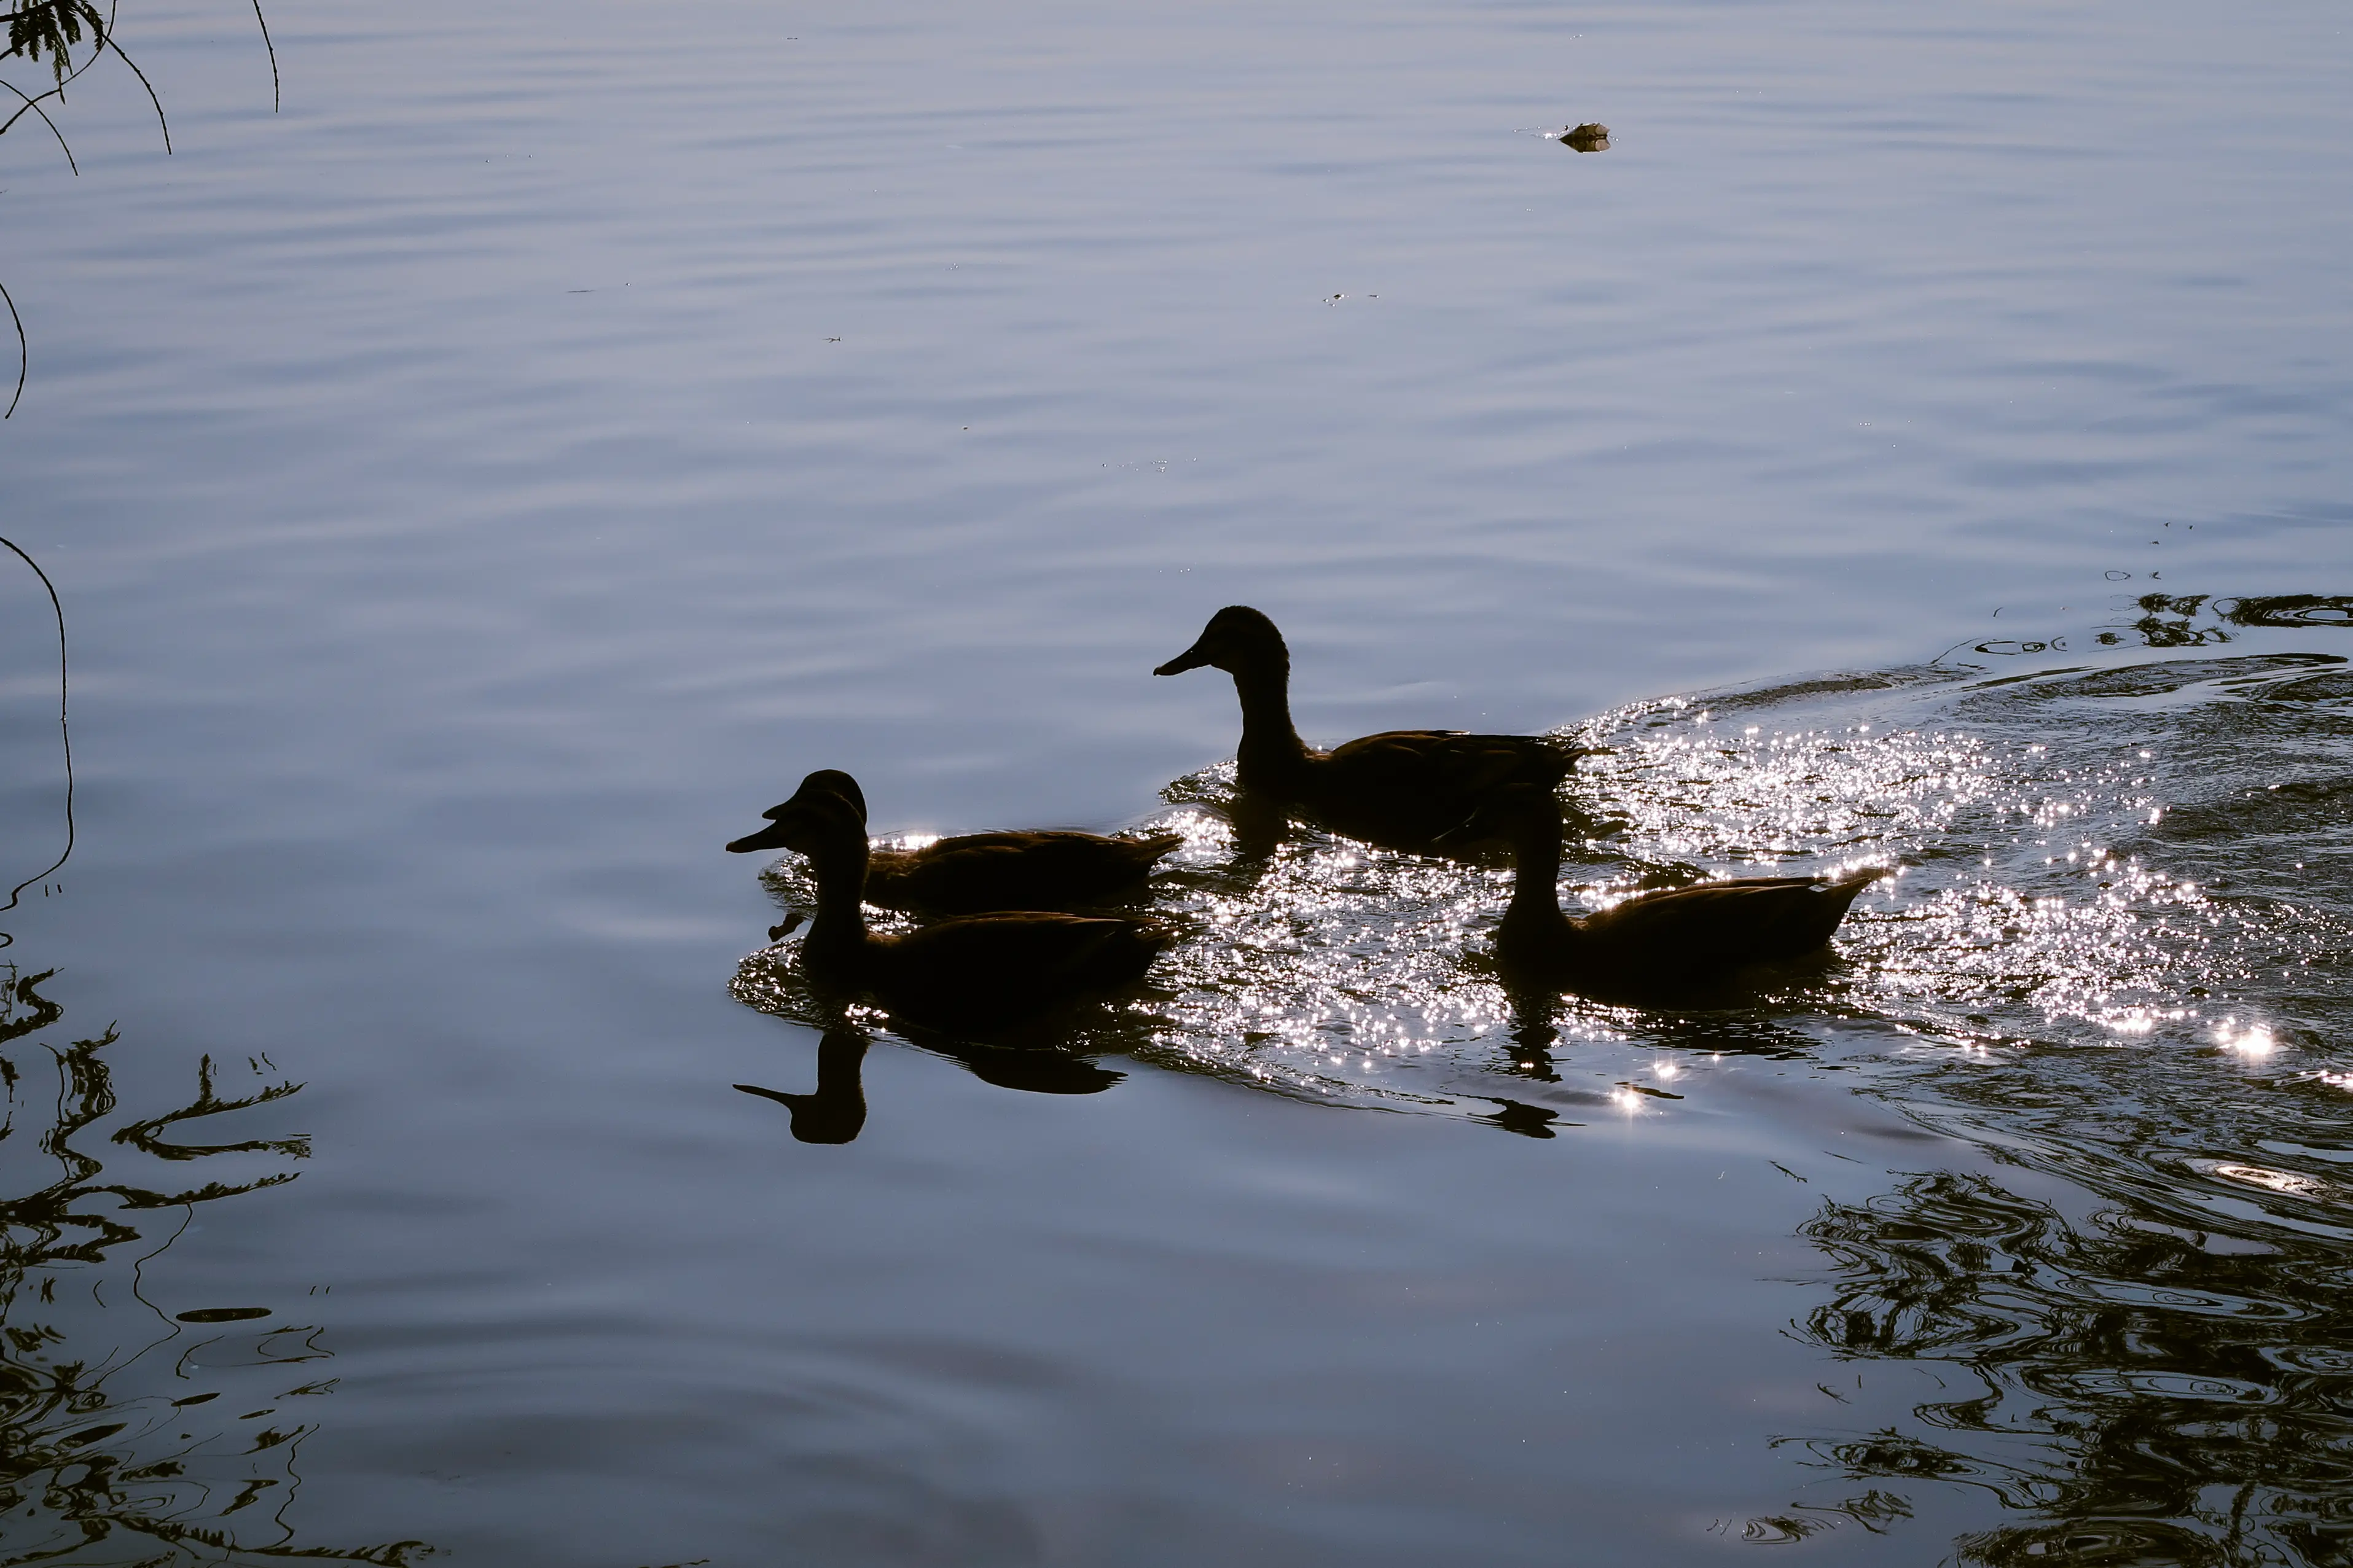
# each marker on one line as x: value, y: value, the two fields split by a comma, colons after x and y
x: 980, y: 970
x: 1720, y: 925
x: 1405, y: 788
x: 1035, y: 870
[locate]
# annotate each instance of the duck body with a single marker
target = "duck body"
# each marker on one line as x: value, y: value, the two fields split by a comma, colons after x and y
x: 972, y: 971
x: 1406, y: 788
x: 1039, y: 868
x: 1675, y: 941
x: 1403, y: 789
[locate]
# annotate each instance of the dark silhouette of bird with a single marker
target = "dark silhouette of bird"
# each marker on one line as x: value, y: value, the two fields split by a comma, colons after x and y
x: 1401, y: 789
x: 971, y: 971
x: 1037, y: 868
x: 1676, y: 940
x: 837, y: 1111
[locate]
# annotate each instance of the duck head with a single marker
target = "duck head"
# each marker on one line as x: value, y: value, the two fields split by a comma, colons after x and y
x: 812, y: 818
x: 1238, y: 638
x: 825, y: 780
x: 1515, y: 813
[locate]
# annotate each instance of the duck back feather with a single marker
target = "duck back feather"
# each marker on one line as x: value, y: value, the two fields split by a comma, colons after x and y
x: 972, y: 873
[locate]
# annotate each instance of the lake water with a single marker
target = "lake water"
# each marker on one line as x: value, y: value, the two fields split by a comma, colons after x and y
x: 479, y: 488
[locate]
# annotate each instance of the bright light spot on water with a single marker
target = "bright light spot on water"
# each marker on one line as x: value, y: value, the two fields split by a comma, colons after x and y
x: 1669, y: 1071
x: 2287, y: 1182
x: 1627, y: 1101
x: 2248, y: 1040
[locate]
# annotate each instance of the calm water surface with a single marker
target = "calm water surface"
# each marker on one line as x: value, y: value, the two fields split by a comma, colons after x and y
x: 478, y: 490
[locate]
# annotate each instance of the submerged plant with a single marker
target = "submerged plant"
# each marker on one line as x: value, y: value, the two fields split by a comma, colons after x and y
x: 105, y: 1444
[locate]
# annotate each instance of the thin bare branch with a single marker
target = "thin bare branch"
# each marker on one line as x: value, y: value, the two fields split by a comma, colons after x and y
x: 33, y: 106
x: 277, y: 99
x: 24, y: 354
x: 141, y: 75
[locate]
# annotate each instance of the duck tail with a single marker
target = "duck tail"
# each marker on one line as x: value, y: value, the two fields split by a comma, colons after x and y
x: 1152, y: 848
x: 1133, y: 951
x: 1839, y: 896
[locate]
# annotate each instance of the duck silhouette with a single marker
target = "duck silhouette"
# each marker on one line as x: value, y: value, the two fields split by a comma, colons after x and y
x: 969, y: 972
x: 1402, y: 789
x: 1676, y: 941
x: 1035, y: 868
x: 836, y: 1113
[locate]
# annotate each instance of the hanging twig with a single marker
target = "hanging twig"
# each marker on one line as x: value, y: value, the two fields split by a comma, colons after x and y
x: 24, y: 357
x: 65, y: 735
x: 33, y: 106
x: 276, y: 100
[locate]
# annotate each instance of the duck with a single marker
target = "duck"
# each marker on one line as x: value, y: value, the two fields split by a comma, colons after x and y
x: 1034, y: 868
x: 971, y: 971
x: 1401, y: 789
x: 1675, y: 939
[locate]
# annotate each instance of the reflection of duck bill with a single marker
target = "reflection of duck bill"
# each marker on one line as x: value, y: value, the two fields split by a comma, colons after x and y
x: 836, y: 1113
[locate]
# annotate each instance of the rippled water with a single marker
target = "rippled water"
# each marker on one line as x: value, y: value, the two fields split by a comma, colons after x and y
x: 2099, y: 966
x: 479, y: 487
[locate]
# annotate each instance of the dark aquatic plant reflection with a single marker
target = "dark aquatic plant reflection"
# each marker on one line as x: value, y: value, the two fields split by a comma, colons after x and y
x: 2143, y: 1390
x: 2198, y: 620
x: 112, y: 1446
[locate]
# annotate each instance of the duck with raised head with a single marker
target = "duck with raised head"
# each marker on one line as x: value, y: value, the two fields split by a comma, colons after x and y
x: 971, y: 971
x: 1679, y: 940
x: 1034, y: 868
x: 1402, y: 789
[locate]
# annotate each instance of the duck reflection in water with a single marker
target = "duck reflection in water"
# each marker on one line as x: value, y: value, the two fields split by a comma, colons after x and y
x: 1403, y: 789
x: 1591, y: 137
x: 973, y: 972
x: 973, y: 873
x: 835, y: 1112
x: 1681, y: 944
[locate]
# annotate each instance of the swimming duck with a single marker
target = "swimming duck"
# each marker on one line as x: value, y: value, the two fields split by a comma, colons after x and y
x: 972, y: 971
x: 1038, y: 869
x: 1401, y: 789
x: 1680, y: 938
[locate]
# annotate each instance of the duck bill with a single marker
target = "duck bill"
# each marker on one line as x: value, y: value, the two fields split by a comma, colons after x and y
x: 769, y: 837
x: 1193, y: 657
x: 1475, y: 828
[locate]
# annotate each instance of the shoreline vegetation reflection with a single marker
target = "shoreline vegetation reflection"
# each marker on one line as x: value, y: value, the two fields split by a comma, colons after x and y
x: 49, y: 32
x: 133, y: 1425
x: 2121, y: 962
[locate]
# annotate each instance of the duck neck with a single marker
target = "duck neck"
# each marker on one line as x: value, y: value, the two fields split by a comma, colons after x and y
x: 841, y: 924
x: 1272, y: 752
x: 1535, y: 909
